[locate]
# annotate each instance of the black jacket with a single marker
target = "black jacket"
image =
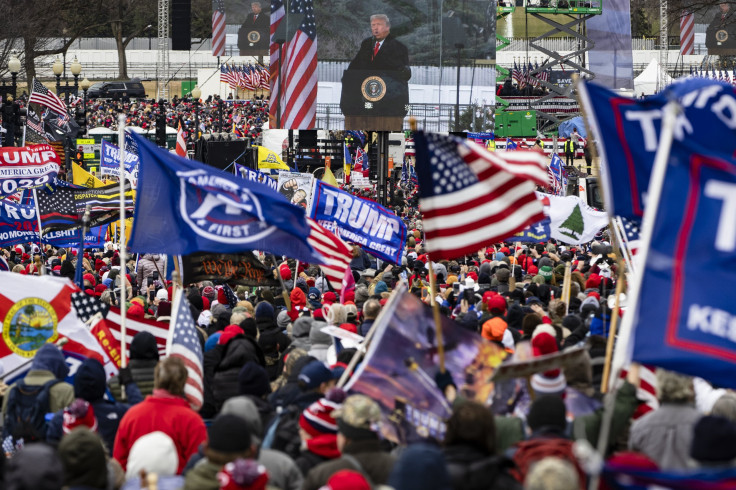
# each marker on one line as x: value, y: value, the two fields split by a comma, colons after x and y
x: 470, y: 470
x: 392, y: 56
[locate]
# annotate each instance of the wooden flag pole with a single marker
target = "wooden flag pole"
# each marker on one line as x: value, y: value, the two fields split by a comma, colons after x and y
x: 437, y: 315
x: 614, y: 326
x: 566, y: 286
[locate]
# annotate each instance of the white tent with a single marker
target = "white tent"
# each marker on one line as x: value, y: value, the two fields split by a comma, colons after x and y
x: 646, y: 82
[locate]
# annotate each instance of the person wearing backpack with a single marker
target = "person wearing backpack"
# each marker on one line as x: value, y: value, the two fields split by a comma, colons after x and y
x: 41, y: 391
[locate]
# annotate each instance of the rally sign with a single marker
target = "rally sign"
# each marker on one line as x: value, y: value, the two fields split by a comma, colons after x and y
x: 401, y: 363
x: 110, y: 162
x: 243, y: 269
x: 379, y: 231
x: 27, y: 167
x: 296, y: 187
x: 255, y: 176
x: 685, y: 315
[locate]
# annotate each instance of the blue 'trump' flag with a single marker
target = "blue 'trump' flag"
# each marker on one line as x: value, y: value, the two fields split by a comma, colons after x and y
x: 685, y: 319
x: 627, y: 131
x: 185, y: 206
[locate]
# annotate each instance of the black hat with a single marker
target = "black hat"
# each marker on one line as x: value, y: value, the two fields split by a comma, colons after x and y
x: 713, y: 438
x: 144, y: 347
x: 547, y: 411
x: 253, y: 380
x: 229, y: 434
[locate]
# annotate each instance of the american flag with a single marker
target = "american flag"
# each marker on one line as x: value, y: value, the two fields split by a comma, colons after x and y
x: 232, y: 300
x: 516, y: 74
x: 251, y: 78
x: 88, y: 306
x: 687, y: 34
x: 181, y: 142
x: 336, y: 253
x: 646, y: 393
x: 471, y: 197
x: 234, y: 77
x: 277, y: 13
x: 43, y: 96
x: 264, y: 81
x: 298, y: 101
x: 557, y: 175
x: 225, y: 75
x: 57, y: 209
x: 183, y: 343
x: 218, y: 28
x: 133, y: 326
x: 631, y: 236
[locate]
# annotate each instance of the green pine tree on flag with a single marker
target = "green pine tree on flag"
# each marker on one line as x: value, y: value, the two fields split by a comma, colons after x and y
x: 573, y: 226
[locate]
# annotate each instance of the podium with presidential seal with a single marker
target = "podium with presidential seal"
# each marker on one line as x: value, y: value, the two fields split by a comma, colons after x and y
x: 374, y: 100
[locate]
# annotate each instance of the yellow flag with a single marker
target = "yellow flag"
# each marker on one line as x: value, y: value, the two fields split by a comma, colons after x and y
x: 270, y: 160
x: 329, y: 177
x: 81, y: 177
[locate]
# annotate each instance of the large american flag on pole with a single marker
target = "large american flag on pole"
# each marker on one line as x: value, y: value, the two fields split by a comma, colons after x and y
x: 277, y: 14
x: 471, y: 197
x: 133, y: 326
x: 336, y: 253
x: 218, y: 28
x: 298, y: 62
x: 687, y: 34
x: 43, y: 96
x: 183, y: 343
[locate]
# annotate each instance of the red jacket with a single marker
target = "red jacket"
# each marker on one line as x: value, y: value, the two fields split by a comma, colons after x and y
x: 170, y: 415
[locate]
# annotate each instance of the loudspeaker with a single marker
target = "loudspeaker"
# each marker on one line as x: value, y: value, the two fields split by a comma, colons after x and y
x: 220, y: 154
x: 308, y: 138
x: 181, y: 32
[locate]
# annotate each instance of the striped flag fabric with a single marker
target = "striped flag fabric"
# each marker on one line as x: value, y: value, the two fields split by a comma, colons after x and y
x: 181, y: 142
x: 264, y: 81
x: 43, y: 96
x: 225, y: 75
x: 631, y: 236
x: 218, y: 28
x: 687, y: 34
x: 183, y: 342
x: 277, y: 14
x: 298, y: 101
x: 471, y: 197
x: 335, y: 252
x: 133, y: 326
x: 646, y: 393
x: 361, y: 163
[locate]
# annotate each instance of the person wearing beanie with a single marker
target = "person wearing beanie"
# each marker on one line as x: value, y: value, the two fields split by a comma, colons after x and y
x: 665, y: 434
x: 166, y: 410
x: 243, y: 474
x: 548, y: 382
x: 143, y: 357
x: 48, y: 366
x: 154, y: 453
x: 421, y: 466
x: 83, y: 457
x: 347, y: 480
x: 318, y: 431
x: 473, y: 460
x: 357, y: 436
x: 254, y: 383
x: 712, y: 445
x: 228, y: 439
x: 36, y: 466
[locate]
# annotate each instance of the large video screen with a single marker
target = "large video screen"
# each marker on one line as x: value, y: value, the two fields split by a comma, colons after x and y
x: 381, y: 60
x: 720, y: 36
x: 248, y: 23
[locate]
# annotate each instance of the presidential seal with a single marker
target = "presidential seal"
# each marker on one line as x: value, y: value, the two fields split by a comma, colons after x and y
x: 219, y: 210
x: 30, y: 323
x: 253, y: 37
x: 373, y: 88
x: 722, y: 36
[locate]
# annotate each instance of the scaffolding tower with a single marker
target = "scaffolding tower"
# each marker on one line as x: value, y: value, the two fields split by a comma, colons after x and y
x: 502, y: 43
x: 162, y: 67
x: 578, y: 12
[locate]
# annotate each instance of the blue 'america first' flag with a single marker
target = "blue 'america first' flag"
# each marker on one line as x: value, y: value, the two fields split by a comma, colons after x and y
x: 183, y: 343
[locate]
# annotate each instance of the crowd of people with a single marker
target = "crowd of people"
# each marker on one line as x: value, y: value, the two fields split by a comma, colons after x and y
x: 272, y: 413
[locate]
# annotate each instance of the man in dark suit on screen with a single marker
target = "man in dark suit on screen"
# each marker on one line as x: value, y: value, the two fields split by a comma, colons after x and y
x: 253, y: 35
x: 376, y: 81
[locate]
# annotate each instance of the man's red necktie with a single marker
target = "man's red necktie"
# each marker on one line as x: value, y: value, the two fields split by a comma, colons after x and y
x: 375, y: 49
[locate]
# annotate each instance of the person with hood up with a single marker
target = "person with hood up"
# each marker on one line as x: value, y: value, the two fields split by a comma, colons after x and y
x: 224, y: 362
x: 266, y: 323
x: 322, y: 341
x: 143, y: 357
x: 168, y: 411
x: 47, y: 368
x: 89, y: 385
x: 253, y: 383
x: 300, y: 333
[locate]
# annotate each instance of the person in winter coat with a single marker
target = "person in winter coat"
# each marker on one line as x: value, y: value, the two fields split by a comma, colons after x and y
x: 318, y: 431
x: 286, y: 388
x: 144, y: 356
x: 147, y: 265
x: 357, y: 437
x: 48, y: 365
x: 470, y: 450
x: 266, y: 323
x: 300, y: 333
x: 233, y: 350
x: 253, y: 383
x: 84, y: 459
x: 421, y: 466
x: 89, y: 385
x: 168, y: 411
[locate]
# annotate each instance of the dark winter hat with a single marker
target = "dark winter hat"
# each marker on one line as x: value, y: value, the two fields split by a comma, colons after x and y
x: 264, y: 309
x: 546, y: 273
x: 571, y: 322
x: 83, y: 457
x: 547, y: 411
x: 229, y: 434
x: 89, y: 382
x: 314, y: 374
x: 144, y: 347
x: 37, y: 466
x: 420, y: 466
x: 253, y: 380
x: 713, y: 438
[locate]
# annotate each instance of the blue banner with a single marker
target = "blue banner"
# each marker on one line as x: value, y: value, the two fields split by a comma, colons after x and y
x: 256, y: 176
x: 379, y: 231
x: 110, y: 160
x: 538, y: 232
x: 627, y: 132
x: 184, y: 206
x: 685, y: 319
x: 18, y: 225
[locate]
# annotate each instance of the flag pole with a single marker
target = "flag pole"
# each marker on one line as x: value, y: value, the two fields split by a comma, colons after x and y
x: 121, y: 248
x: 40, y: 231
x: 287, y: 301
x: 614, y: 325
x: 437, y: 315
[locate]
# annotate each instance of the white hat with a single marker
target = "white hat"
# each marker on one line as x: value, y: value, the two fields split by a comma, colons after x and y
x: 162, y: 295
x: 470, y: 284
x: 154, y: 453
